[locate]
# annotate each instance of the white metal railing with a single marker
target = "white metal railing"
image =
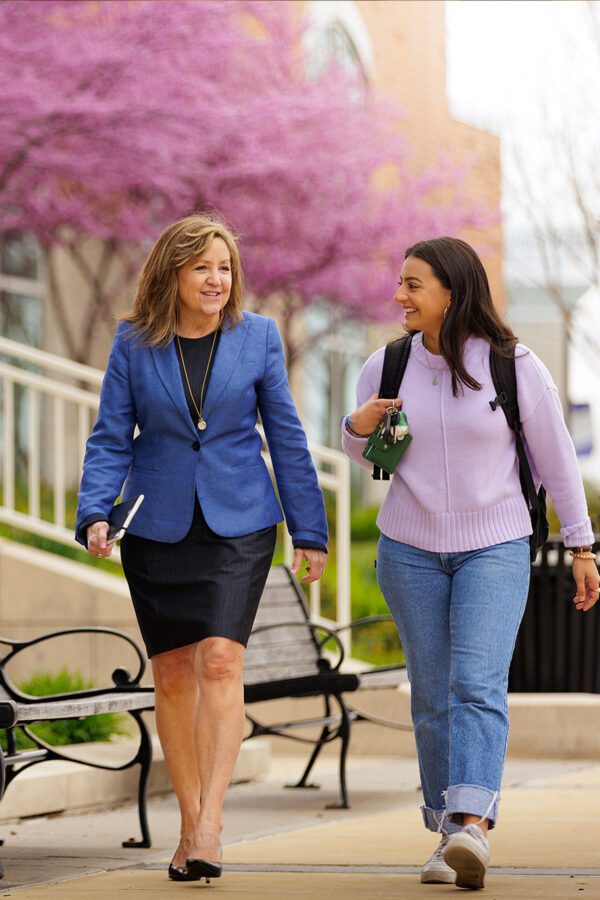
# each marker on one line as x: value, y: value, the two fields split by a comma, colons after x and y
x: 48, y: 407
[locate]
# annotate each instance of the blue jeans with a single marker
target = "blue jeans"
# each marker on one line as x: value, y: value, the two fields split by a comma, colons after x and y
x: 458, y: 615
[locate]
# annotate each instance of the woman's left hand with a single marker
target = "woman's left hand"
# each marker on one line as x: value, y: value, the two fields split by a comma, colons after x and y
x: 316, y: 560
x: 587, y: 580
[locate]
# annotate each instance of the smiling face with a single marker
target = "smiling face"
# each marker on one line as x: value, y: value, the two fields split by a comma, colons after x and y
x: 204, y: 286
x: 422, y: 296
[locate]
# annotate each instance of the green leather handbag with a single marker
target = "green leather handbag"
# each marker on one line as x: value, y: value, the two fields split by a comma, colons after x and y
x: 382, y: 451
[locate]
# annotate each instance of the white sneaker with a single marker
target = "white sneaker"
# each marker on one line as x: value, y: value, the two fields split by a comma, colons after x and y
x: 468, y: 853
x: 435, y: 870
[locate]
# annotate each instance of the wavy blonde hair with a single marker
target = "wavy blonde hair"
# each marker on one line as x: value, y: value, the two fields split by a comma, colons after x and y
x: 154, y: 311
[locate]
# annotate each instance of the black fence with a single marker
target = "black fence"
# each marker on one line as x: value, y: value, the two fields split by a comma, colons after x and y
x: 558, y: 647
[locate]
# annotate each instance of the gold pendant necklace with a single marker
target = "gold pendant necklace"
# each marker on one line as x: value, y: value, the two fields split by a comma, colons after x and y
x: 201, y: 423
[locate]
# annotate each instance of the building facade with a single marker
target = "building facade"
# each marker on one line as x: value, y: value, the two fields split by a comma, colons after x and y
x: 398, y: 47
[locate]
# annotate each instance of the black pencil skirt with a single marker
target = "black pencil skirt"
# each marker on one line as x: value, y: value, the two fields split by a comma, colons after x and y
x: 202, y: 586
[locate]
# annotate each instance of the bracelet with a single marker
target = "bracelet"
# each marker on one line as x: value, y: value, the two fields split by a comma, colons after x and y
x: 586, y: 549
x: 587, y: 554
x: 348, y: 425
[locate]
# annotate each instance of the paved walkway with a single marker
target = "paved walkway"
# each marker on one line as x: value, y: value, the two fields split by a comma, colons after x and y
x: 283, y: 844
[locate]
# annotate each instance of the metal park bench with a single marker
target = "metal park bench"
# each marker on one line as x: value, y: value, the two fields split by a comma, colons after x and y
x: 20, y: 711
x: 289, y: 656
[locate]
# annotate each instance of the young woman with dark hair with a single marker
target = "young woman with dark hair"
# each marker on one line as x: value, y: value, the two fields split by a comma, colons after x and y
x: 453, y: 559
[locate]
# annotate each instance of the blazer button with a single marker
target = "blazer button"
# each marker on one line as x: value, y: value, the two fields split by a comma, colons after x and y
x: 196, y: 445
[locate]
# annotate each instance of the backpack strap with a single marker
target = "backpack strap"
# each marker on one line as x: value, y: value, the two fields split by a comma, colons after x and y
x: 504, y: 376
x: 394, y: 364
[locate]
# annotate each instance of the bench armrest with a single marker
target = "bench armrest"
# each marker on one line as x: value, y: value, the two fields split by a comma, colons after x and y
x: 121, y: 677
x: 365, y: 620
x: 369, y: 620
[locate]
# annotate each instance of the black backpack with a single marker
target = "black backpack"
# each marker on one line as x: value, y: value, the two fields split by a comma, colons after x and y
x: 504, y: 377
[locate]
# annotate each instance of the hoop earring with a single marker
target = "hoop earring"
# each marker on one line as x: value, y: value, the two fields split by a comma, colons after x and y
x: 446, y: 310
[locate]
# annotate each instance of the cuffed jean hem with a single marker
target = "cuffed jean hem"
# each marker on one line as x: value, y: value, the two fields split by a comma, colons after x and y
x: 472, y: 800
x: 437, y: 820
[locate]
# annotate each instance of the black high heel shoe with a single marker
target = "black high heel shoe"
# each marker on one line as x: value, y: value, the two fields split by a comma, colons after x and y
x: 179, y: 873
x: 202, y: 868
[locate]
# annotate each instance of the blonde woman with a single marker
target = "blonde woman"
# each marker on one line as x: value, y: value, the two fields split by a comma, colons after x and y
x: 192, y: 370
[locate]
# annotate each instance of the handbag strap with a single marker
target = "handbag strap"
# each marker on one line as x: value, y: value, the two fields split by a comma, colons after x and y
x: 394, y: 365
x: 504, y: 376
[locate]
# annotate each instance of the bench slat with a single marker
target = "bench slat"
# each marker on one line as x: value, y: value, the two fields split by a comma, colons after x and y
x: 268, y: 656
x: 279, y: 612
x: 385, y: 679
x: 260, y: 674
x: 81, y: 706
x: 282, y: 637
x: 277, y: 576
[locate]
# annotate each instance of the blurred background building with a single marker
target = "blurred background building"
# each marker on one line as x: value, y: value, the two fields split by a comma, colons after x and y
x: 280, y: 163
x: 398, y: 49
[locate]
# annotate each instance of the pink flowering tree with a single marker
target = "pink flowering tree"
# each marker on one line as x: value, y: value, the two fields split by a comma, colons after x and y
x: 120, y: 117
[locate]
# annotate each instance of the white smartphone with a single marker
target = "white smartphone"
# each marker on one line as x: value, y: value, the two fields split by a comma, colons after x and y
x: 120, y: 518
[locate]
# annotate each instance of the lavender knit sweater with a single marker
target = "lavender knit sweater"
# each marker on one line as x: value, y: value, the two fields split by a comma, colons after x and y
x: 457, y: 486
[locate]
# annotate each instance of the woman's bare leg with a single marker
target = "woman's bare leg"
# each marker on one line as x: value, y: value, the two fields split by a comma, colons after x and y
x: 468, y: 819
x: 219, y: 732
x: 176, y: 692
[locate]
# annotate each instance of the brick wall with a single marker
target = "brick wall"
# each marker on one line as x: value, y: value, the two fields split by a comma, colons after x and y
x: 409, y: 41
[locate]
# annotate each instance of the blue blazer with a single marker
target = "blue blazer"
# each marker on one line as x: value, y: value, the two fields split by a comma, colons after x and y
x: 170, y: 460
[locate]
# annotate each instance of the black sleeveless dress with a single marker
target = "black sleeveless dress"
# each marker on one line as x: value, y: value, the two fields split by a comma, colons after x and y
x: 204, y: 585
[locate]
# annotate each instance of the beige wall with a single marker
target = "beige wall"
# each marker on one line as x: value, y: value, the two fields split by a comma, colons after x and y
x: 42, y: 592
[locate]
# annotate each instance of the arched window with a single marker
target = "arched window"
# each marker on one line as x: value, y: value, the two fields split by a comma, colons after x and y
x: 336, y: 33
x: 334, y: 43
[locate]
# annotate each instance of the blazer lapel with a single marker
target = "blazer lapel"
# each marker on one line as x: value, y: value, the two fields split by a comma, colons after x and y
x: 226, y: 357
x: 167, y: 364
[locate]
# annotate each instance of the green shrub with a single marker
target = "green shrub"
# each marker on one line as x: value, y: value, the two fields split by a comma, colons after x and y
x: 47, y: 513
x: 377, y: 643
x: 66, y: 731
x: 362, y: 523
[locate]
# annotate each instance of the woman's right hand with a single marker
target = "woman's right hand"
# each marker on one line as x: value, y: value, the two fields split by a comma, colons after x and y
x: 96, y: 540
x: 368, y: 416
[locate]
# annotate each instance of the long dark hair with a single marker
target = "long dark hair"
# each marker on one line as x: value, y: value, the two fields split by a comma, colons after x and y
x: 471, y: 311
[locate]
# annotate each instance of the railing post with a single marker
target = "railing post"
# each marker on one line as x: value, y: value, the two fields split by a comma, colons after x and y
x: 9, y: 443
x: 58, y: 444
x: 288, y: 547
x: 33, y: 460
x: 342, y: 526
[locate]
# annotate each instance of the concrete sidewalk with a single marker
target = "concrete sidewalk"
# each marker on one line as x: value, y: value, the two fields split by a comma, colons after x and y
x: 283, y: 844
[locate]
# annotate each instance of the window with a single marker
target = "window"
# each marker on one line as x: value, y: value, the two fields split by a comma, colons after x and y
x: 334, y: 44
x: 20, y: 318
x: 337, y: 33
x: 21, y: 295
x: 21, y: 288
x: 331, y: 367
x: 19, y: 255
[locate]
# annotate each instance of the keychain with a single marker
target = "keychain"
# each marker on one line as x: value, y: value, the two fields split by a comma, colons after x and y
x: 394, y: 425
